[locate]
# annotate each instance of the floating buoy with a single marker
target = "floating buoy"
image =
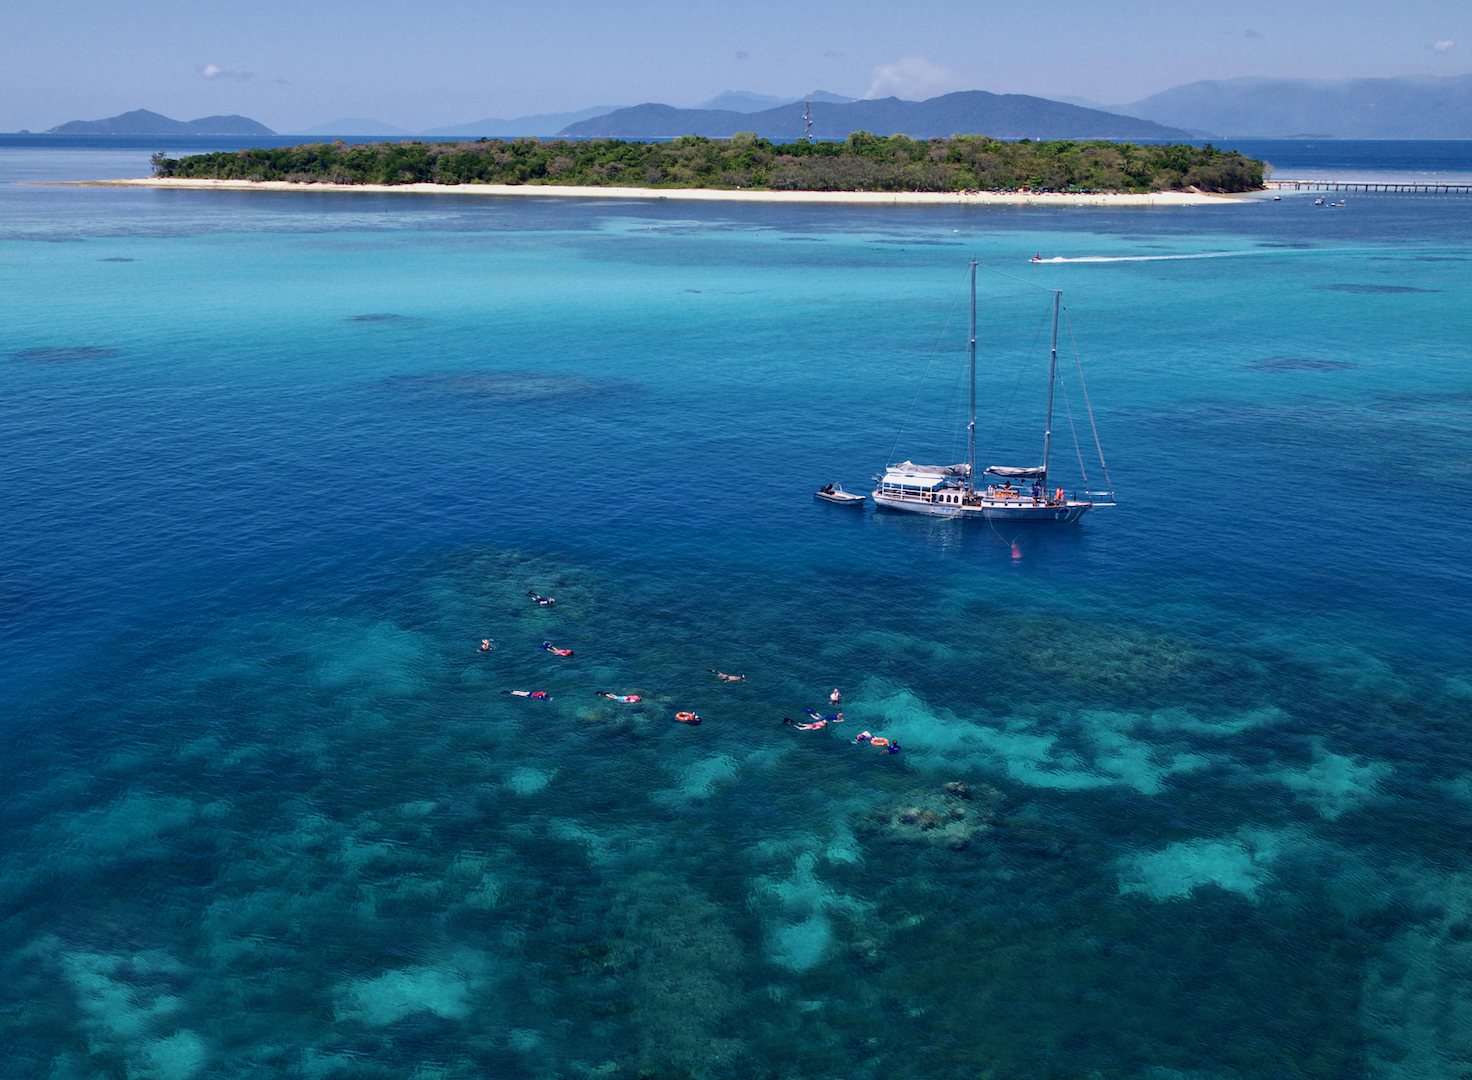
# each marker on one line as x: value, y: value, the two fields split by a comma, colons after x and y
x: 687, y: 718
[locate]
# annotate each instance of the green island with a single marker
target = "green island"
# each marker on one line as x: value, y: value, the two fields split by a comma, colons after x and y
x: 863, y: 162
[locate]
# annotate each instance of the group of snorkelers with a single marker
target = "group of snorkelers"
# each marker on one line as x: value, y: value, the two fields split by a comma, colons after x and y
x: 815, y: 722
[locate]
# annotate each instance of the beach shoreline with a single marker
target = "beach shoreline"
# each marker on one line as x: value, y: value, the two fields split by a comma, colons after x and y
x: 862, y: 198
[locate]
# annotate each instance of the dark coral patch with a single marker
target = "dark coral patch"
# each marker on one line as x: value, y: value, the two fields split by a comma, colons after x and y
x: 1298, y: 363
x: 63, y: 354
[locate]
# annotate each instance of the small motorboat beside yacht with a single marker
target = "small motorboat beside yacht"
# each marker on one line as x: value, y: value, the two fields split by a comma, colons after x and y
x: 837, y: 496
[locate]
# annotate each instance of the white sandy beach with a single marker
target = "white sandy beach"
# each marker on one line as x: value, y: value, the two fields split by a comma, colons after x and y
x: 872, y: 198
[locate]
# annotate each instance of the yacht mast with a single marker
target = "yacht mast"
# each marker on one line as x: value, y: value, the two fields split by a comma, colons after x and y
x: 1052, y: 371
x: 971, y: 425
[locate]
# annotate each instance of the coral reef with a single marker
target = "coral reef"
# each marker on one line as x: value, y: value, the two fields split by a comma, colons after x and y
x: 679, y: 965
x: 950, y: 815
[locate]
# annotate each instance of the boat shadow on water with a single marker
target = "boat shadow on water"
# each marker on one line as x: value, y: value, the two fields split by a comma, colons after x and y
x: 1015, y: 540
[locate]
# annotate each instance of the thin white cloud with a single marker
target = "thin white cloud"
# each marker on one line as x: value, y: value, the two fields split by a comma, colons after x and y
x: 1443, y: 46
x: 914, y: 78
x: 209, y: 71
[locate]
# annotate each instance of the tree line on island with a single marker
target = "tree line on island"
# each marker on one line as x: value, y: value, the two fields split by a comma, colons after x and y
x: 863, y: 162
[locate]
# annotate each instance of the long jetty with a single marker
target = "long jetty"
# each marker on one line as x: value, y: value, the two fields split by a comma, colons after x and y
x: 1424, y: 187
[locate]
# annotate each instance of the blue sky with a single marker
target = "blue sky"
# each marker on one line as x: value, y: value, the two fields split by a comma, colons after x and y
x: 296, y: 63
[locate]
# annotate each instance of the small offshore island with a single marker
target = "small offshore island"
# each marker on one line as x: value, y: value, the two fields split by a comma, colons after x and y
x: 864, y: 167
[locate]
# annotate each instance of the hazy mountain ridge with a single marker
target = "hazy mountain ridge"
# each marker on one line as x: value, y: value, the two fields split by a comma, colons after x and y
x: 1412, y: 107
x: 143, y: 122
x: 537, y: 125
x: 743, y: 101
x: 975, y: 112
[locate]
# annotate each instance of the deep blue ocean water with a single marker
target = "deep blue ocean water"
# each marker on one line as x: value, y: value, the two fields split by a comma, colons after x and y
x: 275, y: 463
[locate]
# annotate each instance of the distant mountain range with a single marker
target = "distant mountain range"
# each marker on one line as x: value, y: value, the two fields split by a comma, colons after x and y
x: 973, y: 112
x: 539, y: 125
x: 1406, y: 108
x: 1415, y: 107
x: 743, y: 102
x: 143, y: 122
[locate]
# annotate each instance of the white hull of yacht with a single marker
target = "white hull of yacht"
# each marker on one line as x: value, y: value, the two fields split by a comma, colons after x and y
x: 989, y: 509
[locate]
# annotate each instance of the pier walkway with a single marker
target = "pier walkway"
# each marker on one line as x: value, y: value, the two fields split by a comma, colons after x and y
x: 1418, y: 186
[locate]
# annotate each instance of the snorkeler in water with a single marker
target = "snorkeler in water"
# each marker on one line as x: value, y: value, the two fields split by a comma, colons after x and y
x: 724, y: 677
x: 624, y: 699
x: 835, y: 718
x: 545, y: 601
x: 835, y: 697
x: 554, y: 650
x: 814, y: 726
x: 485, y: 644
x: 527, y: 693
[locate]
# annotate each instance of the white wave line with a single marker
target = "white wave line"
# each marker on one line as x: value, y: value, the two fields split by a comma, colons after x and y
x: 1142, y: 258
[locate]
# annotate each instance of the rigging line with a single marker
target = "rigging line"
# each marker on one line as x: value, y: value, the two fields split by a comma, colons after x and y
x: 1067, y: 408
x: 1009, y: 277
x: 955, y: 403
x: 1084, y: 387
x: 1002, y: 420
x: 921, y: 384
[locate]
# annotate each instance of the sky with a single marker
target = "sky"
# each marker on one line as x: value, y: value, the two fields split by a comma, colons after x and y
x: 293, y: 64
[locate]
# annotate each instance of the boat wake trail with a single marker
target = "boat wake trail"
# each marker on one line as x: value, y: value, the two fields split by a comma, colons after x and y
x: 1141, y: 258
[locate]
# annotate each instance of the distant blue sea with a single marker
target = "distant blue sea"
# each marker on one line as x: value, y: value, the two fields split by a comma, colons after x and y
x: 1184, y: 790
x: 1449, y: 159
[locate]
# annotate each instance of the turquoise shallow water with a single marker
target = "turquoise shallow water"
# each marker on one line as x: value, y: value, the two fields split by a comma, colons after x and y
x: 275, y: 464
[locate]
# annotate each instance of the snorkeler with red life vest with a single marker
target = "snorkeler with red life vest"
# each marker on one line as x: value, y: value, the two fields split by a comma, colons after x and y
x: 890, y: 745
x: 623, y: 699
x: 554, y: 650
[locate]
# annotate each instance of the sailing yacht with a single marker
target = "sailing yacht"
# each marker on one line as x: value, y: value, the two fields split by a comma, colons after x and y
x: 950, y: 490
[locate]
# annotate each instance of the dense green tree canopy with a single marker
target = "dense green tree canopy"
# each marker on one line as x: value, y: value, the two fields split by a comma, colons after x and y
x: 864, y: 162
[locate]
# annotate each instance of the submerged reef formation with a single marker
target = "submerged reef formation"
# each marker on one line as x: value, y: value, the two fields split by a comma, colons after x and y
x: 949, y: 816
x: 64, y: 354
x: 679, y: 966
x: 346, y: 852
x: 499, y: 386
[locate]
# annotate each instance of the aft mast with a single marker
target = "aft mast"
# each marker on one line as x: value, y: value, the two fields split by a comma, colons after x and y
x: 971, y: 424
x: 1052, y: 374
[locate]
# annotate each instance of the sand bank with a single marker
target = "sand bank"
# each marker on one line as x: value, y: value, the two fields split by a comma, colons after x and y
x: 874, y: 198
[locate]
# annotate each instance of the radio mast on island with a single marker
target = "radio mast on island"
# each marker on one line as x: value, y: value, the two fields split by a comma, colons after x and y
x: 807, y: 120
